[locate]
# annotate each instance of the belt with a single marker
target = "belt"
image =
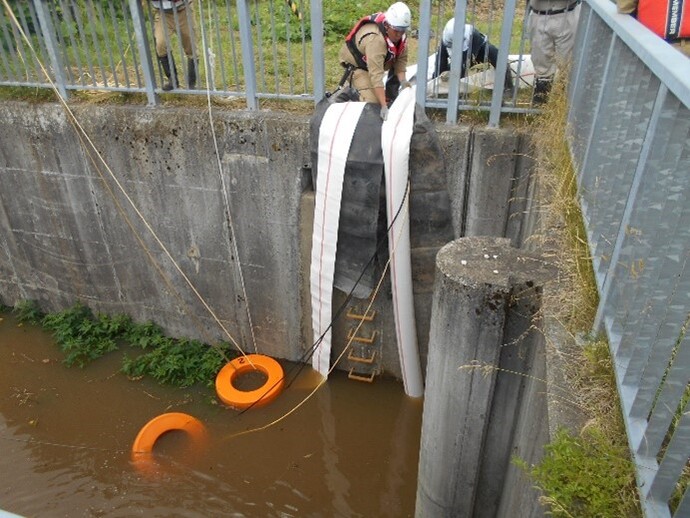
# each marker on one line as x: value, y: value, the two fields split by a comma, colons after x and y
x: 557, y: 11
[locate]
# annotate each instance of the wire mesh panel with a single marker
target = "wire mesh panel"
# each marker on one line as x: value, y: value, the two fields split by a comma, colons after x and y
x: 629, y: 133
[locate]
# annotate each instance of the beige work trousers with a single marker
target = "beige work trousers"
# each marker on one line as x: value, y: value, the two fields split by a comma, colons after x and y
x: 552, y: 36
x: 361, y: 82
x: 180, y: 20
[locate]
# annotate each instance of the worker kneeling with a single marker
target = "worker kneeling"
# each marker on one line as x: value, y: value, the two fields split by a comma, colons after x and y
x: 376, y: 45
x: 476, y: 49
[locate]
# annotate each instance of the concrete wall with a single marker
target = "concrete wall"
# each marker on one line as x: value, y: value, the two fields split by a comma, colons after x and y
x: 69, y: 231
x: 143, y: 224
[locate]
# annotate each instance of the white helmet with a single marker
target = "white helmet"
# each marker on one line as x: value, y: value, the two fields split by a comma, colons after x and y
x: 448, y: 35
x: 398, y: 16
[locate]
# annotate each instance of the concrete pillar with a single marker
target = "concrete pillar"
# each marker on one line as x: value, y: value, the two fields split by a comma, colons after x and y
x: 478, y: 280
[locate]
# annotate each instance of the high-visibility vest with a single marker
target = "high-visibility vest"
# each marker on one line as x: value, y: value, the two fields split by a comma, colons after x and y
x: 394, y: 50
x: 669, y: 19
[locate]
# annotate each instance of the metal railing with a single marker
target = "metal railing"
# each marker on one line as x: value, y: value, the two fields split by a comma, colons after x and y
x: 629, y: 135
x: 247, y: 49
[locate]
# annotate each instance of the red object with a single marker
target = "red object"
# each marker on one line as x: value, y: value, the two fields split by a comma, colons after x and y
x: 669, y: 19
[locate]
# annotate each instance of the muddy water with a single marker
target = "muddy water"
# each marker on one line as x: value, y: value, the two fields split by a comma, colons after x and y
x: 66, y: 435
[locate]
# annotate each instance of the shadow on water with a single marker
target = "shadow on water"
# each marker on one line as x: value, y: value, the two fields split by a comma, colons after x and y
x: 66, y: 435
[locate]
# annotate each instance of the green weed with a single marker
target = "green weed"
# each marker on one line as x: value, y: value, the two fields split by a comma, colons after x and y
x: 178, y: 362
x: 586, y: 476
x: 80, y: 336
x: 84, y: 337
x: 28, y: 312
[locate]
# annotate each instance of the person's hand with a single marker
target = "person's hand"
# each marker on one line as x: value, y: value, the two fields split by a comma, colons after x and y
x: 384, y: 112
x: 403, y: 85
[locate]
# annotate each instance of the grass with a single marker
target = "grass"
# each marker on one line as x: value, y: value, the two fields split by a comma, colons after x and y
x: 99, y: 54
x: 586, y: 472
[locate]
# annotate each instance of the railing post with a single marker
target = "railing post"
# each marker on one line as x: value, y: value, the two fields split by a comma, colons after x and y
x: 455, y: 62
x: 424, y: 36
x: 144, y: 51
x: 317, y: 51
x: 51, y: 45
x: 502, y: 65
x: 247, y: 54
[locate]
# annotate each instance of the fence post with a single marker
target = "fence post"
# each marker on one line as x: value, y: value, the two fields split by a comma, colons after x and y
x: 51, y: 45
x: 317, y: 51
x: 144, y: 51
x: 424, y: 36
x: 502, y: 64
x: 455, y: 63
x: 247, y: 54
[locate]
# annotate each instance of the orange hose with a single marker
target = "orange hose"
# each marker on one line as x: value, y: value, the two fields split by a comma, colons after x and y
x: 241, y: 399
x: 157, y: 426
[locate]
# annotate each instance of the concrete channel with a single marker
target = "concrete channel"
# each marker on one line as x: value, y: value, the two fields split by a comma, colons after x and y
x: 202, y: 223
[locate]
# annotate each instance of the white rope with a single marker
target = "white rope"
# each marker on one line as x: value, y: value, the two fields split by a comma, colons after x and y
x: 226, y: 200
x: 76, y: 123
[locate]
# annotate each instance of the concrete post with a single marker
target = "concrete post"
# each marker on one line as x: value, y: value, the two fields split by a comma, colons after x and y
x: 478, y: 280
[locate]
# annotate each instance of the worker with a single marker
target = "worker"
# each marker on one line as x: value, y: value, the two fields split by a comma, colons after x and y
x: 377, y: 44
x: 178, y: 18
x: 476, y: 48
x: 552, y: 27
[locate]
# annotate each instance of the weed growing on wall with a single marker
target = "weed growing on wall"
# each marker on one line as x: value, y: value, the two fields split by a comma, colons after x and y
x: 590, y: 473
x: 84, y: 337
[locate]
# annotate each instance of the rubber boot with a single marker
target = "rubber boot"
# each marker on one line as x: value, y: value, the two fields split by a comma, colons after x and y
x: 542, y: 87
x: 170, y: 73
x: 191, y: 73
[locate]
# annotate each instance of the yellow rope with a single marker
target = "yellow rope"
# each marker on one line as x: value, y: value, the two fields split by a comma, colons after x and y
x: 345, y: 349
x: 82, y: 134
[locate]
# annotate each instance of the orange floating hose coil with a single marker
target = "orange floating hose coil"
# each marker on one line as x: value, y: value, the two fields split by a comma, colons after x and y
x: 157, y: 426
x: 240, y: 399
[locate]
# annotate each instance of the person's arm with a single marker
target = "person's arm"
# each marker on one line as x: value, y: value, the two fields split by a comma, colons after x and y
x: 374, y: 47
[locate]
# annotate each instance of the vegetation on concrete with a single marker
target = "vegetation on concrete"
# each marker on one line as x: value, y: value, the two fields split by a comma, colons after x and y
x: 590, y: 474
x: 84, y: 337
x: 586, y: 472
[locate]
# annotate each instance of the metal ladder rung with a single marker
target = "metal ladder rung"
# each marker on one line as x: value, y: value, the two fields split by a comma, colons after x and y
x: 361, y: 359
x: 369, y: 317
x: 358, y: 377
x: 361, y: 339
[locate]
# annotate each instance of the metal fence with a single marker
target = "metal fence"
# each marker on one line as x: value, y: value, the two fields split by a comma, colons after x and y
x: 629, y: 134
x: 247, y: 49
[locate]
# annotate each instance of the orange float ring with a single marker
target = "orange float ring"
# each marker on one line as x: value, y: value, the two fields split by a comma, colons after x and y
x: 242, y: 399
x: 157, y: 426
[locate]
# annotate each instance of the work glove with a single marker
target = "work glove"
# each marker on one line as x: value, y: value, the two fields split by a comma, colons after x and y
x: 384, y: 112
x: 403, y: 85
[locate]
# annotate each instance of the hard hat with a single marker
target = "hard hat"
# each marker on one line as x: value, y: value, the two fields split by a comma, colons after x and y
x: 448, y: 33
x: 398, y: 16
